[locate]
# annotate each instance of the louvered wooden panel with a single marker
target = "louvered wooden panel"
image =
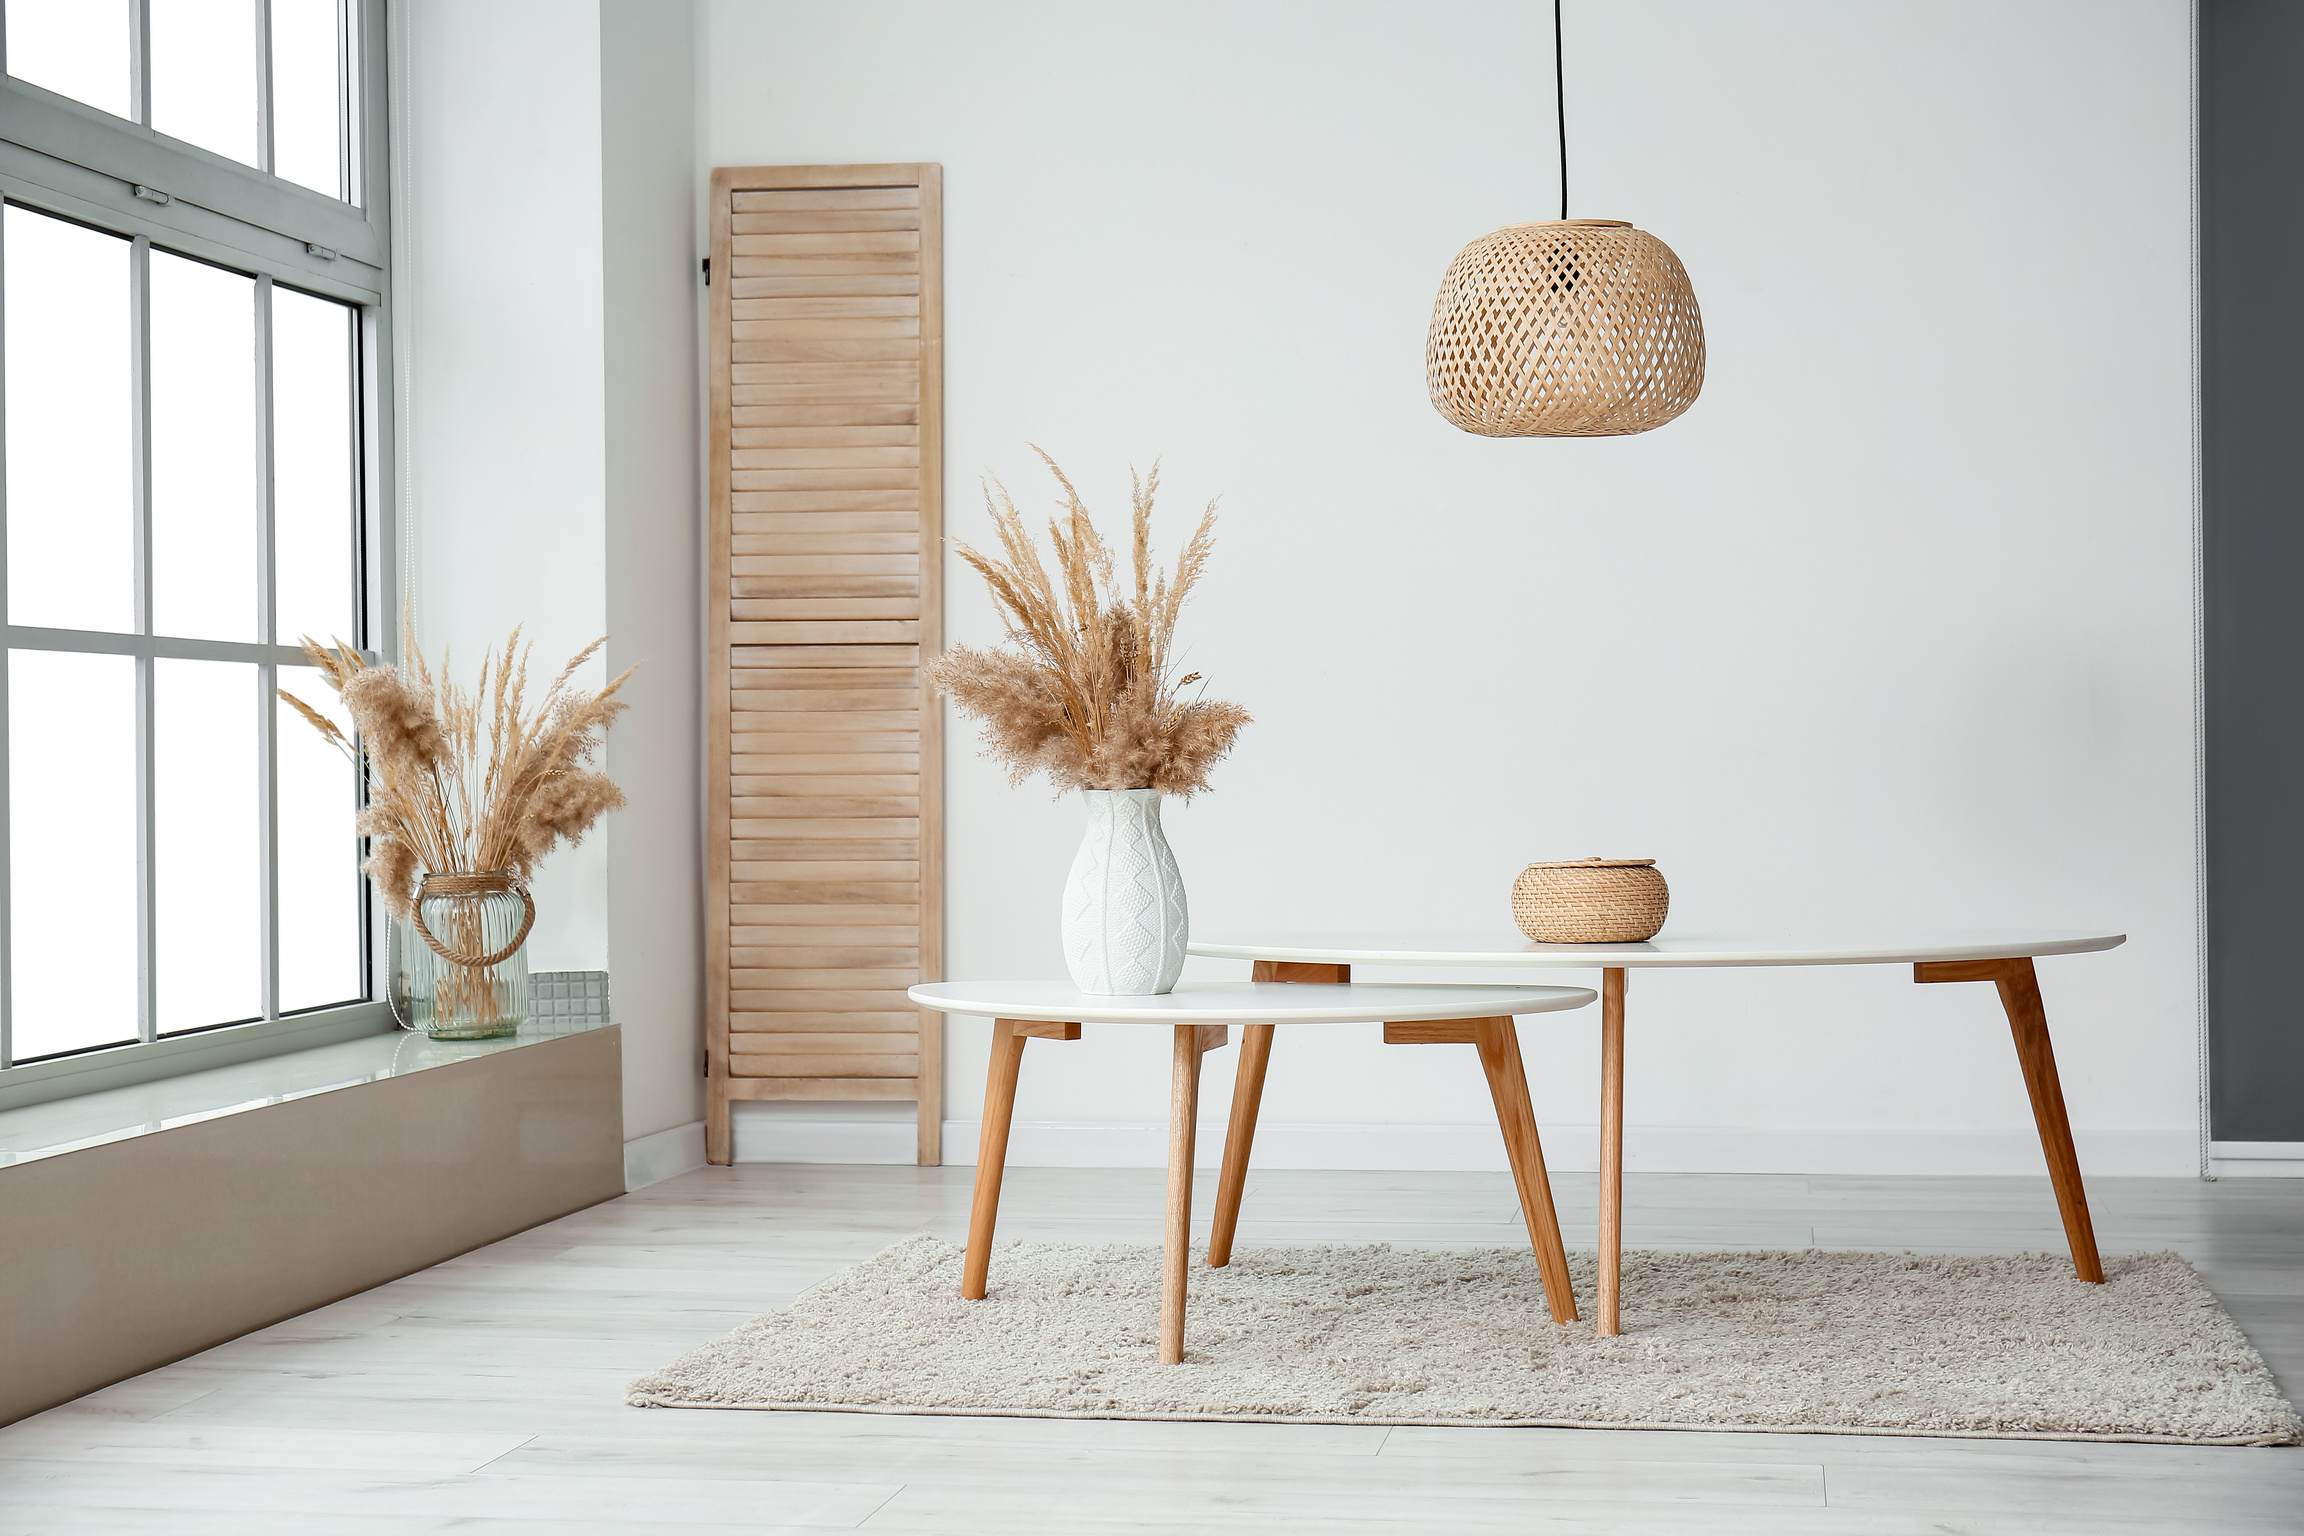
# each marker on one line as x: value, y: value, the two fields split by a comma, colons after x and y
x: 825, y: 857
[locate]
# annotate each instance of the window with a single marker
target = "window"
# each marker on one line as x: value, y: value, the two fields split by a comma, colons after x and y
x: 266, y: 83
x: 192, y: 477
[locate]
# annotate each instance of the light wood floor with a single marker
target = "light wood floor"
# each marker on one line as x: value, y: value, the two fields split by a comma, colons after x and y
x: 484, y: 1396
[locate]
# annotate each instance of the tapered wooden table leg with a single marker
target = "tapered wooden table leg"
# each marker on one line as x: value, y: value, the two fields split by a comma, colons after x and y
x: 1183, y: 1119
x: 2028, y: 1019
x: 2019, y: 986
x: 1499, y: 1045
x: 1239, y: 1137
x: 1248, y: 1099
x: 992, y: 1152
x: 1611, y: 1320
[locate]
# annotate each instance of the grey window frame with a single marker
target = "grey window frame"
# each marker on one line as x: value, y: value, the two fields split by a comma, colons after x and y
x: 62, y: 157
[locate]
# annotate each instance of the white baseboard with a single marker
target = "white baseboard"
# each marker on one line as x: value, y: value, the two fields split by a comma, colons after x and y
x: 766, y: 1139
x: 1567, y: 1148
x: 2256, y: 1159
x: 652, y: 1159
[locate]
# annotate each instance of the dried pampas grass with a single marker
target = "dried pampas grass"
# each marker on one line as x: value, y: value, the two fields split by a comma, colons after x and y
x: 467, y: 781
x: 1081, y: 690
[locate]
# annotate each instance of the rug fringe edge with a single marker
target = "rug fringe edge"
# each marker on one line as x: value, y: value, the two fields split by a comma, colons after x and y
x: 2289, y: 1437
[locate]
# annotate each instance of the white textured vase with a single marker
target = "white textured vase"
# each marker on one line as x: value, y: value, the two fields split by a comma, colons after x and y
x: 1124, y: 917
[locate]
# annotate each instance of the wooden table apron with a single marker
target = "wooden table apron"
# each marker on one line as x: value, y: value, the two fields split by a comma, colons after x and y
x: 1433, y: 1016
x: 2003, y: 959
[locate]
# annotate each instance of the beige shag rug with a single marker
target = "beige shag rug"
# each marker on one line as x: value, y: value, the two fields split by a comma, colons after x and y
x: 1799, y: 1341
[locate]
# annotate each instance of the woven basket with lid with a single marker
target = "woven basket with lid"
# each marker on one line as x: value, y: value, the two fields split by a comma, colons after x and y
x: 1590, y: 901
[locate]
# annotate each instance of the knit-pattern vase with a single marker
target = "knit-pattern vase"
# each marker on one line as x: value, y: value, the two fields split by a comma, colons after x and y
x: 1124, y: 916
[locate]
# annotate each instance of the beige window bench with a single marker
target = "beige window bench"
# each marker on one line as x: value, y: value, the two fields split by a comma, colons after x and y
x: 139, y: 1225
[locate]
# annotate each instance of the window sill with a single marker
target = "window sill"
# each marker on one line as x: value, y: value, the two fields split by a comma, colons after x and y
x: 40, y: 1130
x: 124, y: 1066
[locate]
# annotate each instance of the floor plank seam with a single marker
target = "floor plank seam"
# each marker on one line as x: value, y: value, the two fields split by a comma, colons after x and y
x: 874, y: 1513
x: 525, y: 1442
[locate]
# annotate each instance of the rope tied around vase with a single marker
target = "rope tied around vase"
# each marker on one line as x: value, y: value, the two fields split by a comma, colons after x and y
x: 494, y: 882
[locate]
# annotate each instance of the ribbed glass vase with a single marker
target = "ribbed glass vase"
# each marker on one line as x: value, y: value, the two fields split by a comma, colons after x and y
x: 468, y: 970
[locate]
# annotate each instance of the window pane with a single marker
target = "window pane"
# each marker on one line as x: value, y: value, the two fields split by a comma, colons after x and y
x: 320, y: 908
x: 313, y: 467
x: 76, y: 48
x: 72, y: 833
x: 209, y: 957
x: 70, y: 515
x: 304, y: 94
x: 204, y: 508
x: 204, y: 73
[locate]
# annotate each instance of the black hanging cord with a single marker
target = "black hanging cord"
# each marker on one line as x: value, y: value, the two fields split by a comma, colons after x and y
x: 1560, y: 101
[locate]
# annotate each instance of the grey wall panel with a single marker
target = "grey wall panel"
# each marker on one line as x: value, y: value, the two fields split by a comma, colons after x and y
x: 2252, y: 252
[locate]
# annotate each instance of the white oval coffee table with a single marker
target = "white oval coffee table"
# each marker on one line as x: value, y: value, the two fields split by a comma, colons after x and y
x: 1200, y: 1016
x: 2002, y: 956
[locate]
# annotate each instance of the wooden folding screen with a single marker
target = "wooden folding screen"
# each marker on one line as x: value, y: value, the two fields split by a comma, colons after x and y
x: 824, y: 869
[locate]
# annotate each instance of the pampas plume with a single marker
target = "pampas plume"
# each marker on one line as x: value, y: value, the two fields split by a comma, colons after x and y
x: 467, y: 781
x: 1080, y: 690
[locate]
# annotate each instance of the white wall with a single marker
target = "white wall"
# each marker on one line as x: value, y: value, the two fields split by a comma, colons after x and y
x: 650, y: 287
x: 498, y: 297
x: 1893, y: 628
x: 546, y: 298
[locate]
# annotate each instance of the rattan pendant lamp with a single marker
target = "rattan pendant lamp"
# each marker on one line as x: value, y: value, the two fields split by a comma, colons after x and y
x: 1564, y: 328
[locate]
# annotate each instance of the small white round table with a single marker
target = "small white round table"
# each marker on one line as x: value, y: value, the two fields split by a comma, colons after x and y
x: 1200, y: 1016
x: 2001, y: 956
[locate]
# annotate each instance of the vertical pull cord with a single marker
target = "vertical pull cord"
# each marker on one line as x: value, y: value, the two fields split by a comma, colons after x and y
x: 1560, y: 105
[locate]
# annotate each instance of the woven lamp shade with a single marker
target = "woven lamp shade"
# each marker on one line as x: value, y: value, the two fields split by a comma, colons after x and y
x: 1567, y: 328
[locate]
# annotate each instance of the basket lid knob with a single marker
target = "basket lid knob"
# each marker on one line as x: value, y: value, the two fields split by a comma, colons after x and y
x: 1594, y: 862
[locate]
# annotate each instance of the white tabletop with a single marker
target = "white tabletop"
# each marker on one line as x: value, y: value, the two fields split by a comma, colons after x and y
x: 1268, y: 1002
x: 1409, y: 947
